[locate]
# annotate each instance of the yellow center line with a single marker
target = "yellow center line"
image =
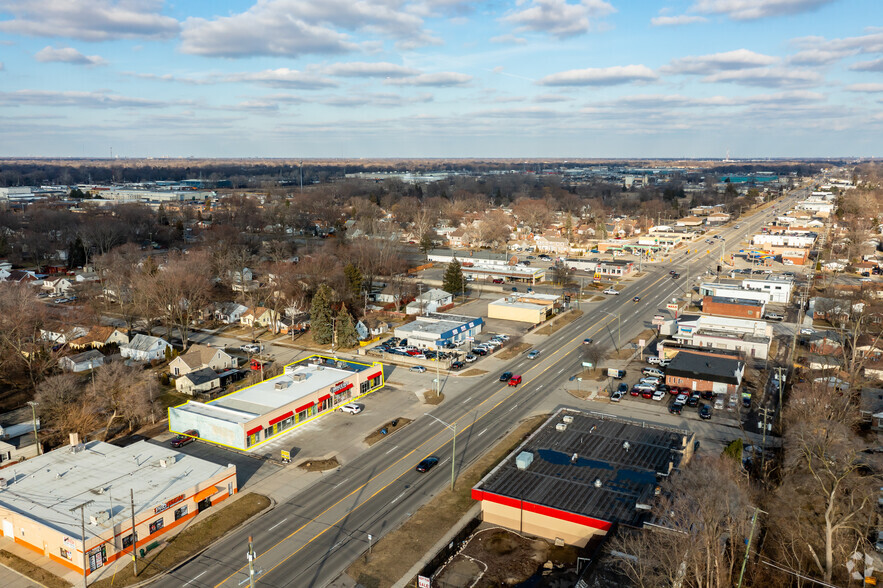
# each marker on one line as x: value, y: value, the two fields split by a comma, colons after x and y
x: 596, y: 326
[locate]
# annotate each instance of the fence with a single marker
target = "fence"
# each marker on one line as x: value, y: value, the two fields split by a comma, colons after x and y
x: 451, y: 549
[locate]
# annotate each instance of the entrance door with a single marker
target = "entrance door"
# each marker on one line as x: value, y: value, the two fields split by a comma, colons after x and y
x: 8, y: 529
x: 204, y: 504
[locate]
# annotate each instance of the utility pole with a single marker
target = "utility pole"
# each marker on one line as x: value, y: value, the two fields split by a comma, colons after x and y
x: 251, y: 557
x: 33, y: 406
x: 748, y: 547
x: 82, y: 508
x: 134, y: 536
x: 765, y: 412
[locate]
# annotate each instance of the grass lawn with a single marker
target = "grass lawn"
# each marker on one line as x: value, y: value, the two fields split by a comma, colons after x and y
x: 32, y: 571
x: 559, y: 322
x: 393, y: 556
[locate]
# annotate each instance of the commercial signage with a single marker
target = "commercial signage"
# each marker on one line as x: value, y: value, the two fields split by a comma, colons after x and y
x: 69, y: 542
x: 168, y: 504
x: 286, y: 455
x: 671, y: 306
x: 423, y: 582
x: 338, y: 387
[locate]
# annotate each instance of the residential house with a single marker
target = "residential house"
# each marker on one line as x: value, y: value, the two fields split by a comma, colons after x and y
x: 58, y: 286
x: 457, y: 237
x: 17, y: 431
x: 83, y: 276
x: 199, y: 357
x: 201, y: 380
x: 23, y: 276
x: 144, y: 348
x: 257, y: 316
x: 61, y: 335
x: 229, y: 312
x: 82, y: 362
x: 430, y: 301
x: 369, y: 328
x: 99, y: 336
x: 551, y: 244
x: 717, y: 218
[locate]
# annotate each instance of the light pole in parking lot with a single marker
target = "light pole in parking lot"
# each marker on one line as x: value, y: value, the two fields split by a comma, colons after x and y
x: 618, y: 328
x: 453, y: 428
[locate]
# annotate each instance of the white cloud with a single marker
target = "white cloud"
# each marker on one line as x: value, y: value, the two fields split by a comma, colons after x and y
x: 88, y: 20
x: 385, y: 100
x: 754, y: 9
x: 100, y: 99
x: 67, y: 55
x: 869, y: 88
x: 707, y: 64
x: 550, y: 98
x: 875, y: 65
x: 557, y: 17
x: 2, y: 66
x: 280, y: 78
x: 818, y: 56
x: 600, y: 76
x: 681, y: 19
x: 300, y: 27
x: 768, y: 77
x: 508, y: 40
x: 439, y: 80
x: 369, y: 70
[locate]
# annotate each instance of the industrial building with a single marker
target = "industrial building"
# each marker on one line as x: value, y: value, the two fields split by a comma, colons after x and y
x: 733, y: 307
x: 524, y: 307
x: 76, y: 504
x: 704, y: 372
x: 435, y: 330
x: 581, y: 473
x: 306, y: 390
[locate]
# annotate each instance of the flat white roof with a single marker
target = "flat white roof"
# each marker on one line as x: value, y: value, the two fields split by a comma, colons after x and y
x: 434, y: 327
x: 47, y: 487
x: 516, y: 304
x: 266, y: 396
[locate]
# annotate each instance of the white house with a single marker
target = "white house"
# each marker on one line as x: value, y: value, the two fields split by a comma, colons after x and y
x: 144, y: 348
x: 82, y: 362
x: 58, y: 286
x: 202, y: 380
x: 199, y: 357
x: 429, y: 301
x: 62, y: 335
x: 229, y: 312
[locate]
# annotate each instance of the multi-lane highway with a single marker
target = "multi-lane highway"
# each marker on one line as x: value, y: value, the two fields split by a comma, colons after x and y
x: 310, y: 539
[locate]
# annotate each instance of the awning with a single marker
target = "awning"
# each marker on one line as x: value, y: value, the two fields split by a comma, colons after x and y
x: 344, y: 389
x: 203, y: 494
x: 253, y: 431
x: 282, y: 417
x: 324, y: 398
x: 377, y: 375
x: 304, y: 407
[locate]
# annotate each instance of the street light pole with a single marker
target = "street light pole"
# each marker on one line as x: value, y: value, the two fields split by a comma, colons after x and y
x: 83, y: 536
x: 618, y: 328
x: 453, y: 428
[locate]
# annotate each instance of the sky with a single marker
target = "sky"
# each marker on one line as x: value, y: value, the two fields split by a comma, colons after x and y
x: 441, y: 78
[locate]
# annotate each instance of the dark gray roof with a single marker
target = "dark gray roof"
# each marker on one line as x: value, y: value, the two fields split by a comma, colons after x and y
x: 704, y: 367
x: 627, y: 476
x: 739, y: 301
x: 86, y: 356
x: 203, y: 376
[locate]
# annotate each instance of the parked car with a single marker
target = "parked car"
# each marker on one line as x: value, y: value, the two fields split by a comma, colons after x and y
x: 427, y: 464
x: 503, y: 337
x: 616, y: 396
x: 693, y: 400
x: 498, y: 280
x: 470, y: 358
x: 185, y: 438
x: 514, y: 380
x: 623, y: 387
x: 658, y: 395
x: 774, y: 316
x: 681, y: 399
x: 651, y: 371
x: 251, y: 348
x: 675, y: 408
x: 505, y: 376
x: 705, y: 411
x: 456, y: 365
x: 653, y: 360
x: 352, y: 408
x: 653, y: 381
x: 418, y: 368
x: 534, y: 353
x: 480, y: 351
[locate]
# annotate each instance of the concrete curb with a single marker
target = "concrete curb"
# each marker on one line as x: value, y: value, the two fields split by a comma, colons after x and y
x: 27, y: 578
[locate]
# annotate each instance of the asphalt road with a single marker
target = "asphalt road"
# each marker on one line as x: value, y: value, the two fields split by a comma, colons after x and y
x: 312, y: 538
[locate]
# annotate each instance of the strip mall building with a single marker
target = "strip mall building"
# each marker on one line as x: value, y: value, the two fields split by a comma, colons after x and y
x: 307, y: 389
x: 41, y: 498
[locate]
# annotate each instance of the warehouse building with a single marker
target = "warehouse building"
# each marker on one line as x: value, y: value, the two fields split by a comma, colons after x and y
x: 306, y: 390
x: 47, y: 502
x: 581, y: 473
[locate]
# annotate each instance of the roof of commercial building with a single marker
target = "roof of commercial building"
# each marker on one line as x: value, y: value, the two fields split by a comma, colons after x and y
x: 705, y: 367
x: 737, y: 301
x: 608, y: 478
x: 429, y: 327
x: 470, y: 255
x: 47, y: 487
x: 515, y: 303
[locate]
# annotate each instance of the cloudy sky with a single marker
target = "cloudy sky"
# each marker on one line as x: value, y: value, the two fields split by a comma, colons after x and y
x: 441, y: 78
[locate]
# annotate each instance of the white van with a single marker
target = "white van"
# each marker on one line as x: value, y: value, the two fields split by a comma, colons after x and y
x: 653, y: 360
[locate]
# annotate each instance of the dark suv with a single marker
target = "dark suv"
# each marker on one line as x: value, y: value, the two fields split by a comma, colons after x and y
x: 505, y: 376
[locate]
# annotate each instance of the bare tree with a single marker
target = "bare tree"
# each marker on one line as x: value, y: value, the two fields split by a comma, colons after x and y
x: 21, y: 345
x: 124, y: 392
x: 65, y: 406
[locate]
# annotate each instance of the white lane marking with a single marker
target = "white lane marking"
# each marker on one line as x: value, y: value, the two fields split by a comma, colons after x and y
x: 277, y: 524
x: 467, y: 400
x: 341, y: 482
x: 513, y: 408
x: 561, y: 370
x: 483, y: 431
x: 195, y: 578
x: 396, y: 499
x: 391, y: 450
x: 443, y: 462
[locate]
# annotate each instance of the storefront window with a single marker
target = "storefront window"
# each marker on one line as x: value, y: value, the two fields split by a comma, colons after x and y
x: 180, y: 512
x: 252, y: 440
x: 127, y: 541
x: 66, y: 553
x: 156, y: 525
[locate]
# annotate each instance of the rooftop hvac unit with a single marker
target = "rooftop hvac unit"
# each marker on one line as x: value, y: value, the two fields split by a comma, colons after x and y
x: 3, y: 482
x: 561, y: 427
x: 626, y: 445
x: 598, y: 483
x: 167, y: 461
x: 298, y: 377
x: 288, y: 369
x: 99, y: 517
x: 574, y: 458
x: 568, y: 419
x: 639, y: 506
x: 282, y: 384
x: 524, y: 459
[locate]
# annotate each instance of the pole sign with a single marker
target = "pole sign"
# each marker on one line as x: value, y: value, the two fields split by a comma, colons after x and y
x: 286, y: 455
x: 587, y: 364
x: 642, y: 343
x: 672, y: 307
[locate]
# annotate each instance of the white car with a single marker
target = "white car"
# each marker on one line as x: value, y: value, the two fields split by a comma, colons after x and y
x: 418, y: 368
x: 653, y: 360
x: 502, y: 337
x: 611, y: 291
x: 251, y: 348
x: 469, y: 358
x: 658, y: 395
x: 806, y: 331
x: 352, y: 408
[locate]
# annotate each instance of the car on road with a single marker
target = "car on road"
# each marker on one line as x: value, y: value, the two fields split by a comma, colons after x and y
x: 671, y: 273
x: 505, y: 376
x: 675, y: 408
x: 427, y: 464
x: 705, y: 411
x: 418, y: 368
x: 455, y: 365
x: 498, y: 280
x: 806, y: 331
x: 352, y: 408
x: 675, y: 276
x: 612, y: 291
x: 636, y: 299
x: 587, y: 341
x: 514, y: 380
x: 470, y: 358
x: 658, y: 395
x: 774, y: 316
x: 251, y: 348
x: 185, y: 438
x: 616, y: 396
x: 534, y: 353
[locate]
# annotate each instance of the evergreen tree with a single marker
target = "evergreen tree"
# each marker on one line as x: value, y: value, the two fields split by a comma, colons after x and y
x: 453, y: 282
x: 320, y: 315
x: 76, y: 253
x: 347, y: 336
x: 426, y: 243
x: 353, y: 279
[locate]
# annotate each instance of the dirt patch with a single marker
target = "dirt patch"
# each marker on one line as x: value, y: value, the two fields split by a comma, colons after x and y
x: 560, y: 322
x: 639, y: 275
x: 34, y: 572
x: 647, y: 335
x: 474, y: 372
x: 509, y: 352
x: 390, y: 428
x: 189, y: 541
x: 319, y: 465
x: 598, y: 299
x: 394, y: 555
x: 430, y: 397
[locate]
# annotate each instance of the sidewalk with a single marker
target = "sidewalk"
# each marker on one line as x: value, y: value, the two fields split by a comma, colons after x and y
x: 9, y: 577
